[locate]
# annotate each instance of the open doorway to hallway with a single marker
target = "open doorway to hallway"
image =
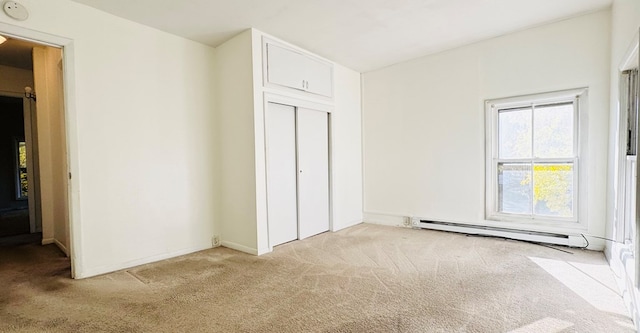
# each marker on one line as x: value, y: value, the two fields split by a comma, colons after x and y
x: 33, y: 158
x: 14, y: 181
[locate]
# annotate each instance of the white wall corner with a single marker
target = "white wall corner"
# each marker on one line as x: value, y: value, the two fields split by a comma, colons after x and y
x: 241, y: 248
x: 386, y: 219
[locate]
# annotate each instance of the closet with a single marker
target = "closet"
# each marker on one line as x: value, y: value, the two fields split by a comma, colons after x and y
x: 297, y: 153
x: 288, y: 123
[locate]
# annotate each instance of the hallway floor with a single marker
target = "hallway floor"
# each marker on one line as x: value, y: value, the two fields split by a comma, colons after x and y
x: 14, y: 222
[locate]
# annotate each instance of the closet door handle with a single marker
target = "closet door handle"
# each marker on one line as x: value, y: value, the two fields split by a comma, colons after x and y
x: 302, y: 84
x: 307, y: 84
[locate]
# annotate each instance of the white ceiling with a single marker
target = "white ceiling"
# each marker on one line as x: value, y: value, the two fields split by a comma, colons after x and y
x: 361, y: 34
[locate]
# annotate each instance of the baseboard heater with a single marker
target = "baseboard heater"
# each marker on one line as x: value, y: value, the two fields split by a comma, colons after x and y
x: 525, y: 235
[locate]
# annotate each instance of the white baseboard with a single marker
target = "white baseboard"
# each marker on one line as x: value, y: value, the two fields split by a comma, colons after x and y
x: 86, y: 273
x: 61, y: 247
x: 395, y: 220
x: 47, y: 241
x: 346, y: 225
x: 241, y: 248
x: 264, y: 251
x: 622, y: 264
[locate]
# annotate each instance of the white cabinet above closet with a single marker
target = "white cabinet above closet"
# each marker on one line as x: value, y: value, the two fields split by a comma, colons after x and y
x: 289, y: 68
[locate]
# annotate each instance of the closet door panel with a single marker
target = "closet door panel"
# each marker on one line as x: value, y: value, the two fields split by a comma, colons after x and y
x: 281, y: 173
x: 313, y: 172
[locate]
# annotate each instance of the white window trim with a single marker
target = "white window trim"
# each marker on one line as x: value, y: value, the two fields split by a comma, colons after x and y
x: 580, y: 97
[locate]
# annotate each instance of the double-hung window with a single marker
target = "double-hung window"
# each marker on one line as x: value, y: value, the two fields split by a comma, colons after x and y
x: 533, y: 158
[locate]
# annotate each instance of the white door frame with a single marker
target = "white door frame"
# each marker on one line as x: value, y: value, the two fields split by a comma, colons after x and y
x: 71, y: 130
x: 629, y: 61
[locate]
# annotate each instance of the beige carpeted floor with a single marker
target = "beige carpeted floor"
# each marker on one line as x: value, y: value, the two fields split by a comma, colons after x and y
x: 363, y: 279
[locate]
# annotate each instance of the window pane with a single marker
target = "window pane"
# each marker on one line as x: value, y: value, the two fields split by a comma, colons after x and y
x: 514, y: 188
x: 553, y: 189
x: 23, y: 185
x: 22, y: 154
x: 514, y: 131
x: 553, y: 131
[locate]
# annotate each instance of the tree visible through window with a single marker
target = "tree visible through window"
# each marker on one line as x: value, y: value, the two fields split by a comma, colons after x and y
x: 533, y: 157
x: 22, y: 182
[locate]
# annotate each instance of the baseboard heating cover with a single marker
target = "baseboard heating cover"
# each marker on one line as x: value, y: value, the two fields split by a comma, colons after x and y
x: 531, y: 236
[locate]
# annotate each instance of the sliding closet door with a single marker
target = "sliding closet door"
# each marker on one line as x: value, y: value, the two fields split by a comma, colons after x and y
x: 313, y: 172
x: 281, y: 173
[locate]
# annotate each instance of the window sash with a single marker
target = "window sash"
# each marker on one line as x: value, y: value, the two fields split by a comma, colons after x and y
x: 493, y: 107
x: 533, y: 216
x: 533, y: 107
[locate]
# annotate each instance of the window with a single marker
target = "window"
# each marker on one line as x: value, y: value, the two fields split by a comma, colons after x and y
x: 629, y: 101
x: 533, y: 157
x: 22, y: 183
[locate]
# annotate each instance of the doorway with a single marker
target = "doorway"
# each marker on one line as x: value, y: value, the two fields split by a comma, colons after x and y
x: 33, y: 175
x: 14, y: 203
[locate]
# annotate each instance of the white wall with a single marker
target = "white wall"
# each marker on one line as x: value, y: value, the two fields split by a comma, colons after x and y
x: 346, y: 148
x: 15, y: 79
x: 625, y: 22
x: 52, y: 153
x: 142, y: 139
x: 235, y: 136
x: 424, y: 119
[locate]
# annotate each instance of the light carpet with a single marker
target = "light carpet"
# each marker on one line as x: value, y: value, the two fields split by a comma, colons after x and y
x: 367, y: 278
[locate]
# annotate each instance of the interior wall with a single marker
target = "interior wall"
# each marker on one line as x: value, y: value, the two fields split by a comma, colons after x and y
x: 346, y: 149
x: 235, y: 137
x: 15, y: 79
x: 424, y: 138
x: 625, y: 23
x: 143, y: 138
x: 47, y: 65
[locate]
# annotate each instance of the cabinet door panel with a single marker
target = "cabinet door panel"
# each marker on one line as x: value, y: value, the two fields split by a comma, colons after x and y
x: 298, y: 71
x: 281, y: 173
x: 285, y: 67
x: 313, y: 172
x: 319, y: 77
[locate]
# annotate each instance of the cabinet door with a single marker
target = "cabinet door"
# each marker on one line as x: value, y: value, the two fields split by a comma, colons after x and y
x: 298, y: 71
x: 313, y: 172
x: 285, y: 67
x: 281, y: 173
x: 318, y: 77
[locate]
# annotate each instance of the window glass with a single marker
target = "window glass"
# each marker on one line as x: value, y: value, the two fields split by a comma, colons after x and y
x: 553, y: 189
x: 553, y: 131
x: 515, y: 133
x: 514, y: 192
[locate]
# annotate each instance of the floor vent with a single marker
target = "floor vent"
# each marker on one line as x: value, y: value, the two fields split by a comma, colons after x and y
x: 532, y: 236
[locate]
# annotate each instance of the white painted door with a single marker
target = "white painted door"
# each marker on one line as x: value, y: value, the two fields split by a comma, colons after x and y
x: 313, y: 172
x: 281, y: 173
